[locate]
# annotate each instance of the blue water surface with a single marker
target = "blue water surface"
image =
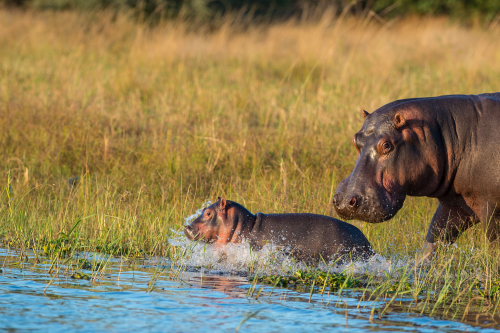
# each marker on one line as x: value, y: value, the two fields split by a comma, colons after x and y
x: 31, y: 300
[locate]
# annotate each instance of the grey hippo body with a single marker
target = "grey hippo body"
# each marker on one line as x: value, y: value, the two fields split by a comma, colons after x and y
x: 445, y: 147
x: 305, y: 236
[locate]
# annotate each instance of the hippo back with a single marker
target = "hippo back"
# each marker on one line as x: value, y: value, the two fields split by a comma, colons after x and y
x: 311, y: 235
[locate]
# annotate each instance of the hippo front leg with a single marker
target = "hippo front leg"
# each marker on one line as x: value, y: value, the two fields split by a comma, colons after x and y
x: 447, y: 224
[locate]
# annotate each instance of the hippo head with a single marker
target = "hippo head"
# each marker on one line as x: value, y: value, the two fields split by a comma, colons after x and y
x: 217, y: 223
x: 210, y: 225
x: 395, y: 159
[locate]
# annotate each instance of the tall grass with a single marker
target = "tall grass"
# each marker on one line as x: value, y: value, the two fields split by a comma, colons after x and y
x: 156, y: 121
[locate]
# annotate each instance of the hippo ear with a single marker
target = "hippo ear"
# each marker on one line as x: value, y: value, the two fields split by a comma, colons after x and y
x: 222, y: 203
x: 365, y: 113
x: 399, y: 121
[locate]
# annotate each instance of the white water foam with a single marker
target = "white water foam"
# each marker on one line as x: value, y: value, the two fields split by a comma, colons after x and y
x: 241, y: 259
x: 198, y: 212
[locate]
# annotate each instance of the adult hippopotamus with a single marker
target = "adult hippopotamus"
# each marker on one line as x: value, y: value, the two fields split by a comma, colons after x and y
x: 305, y: 236
x: 444, y: 147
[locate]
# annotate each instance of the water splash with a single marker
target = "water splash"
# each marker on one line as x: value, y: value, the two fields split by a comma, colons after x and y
x: 198, y: 212
x: 376, y: 265
x: 238, y: 259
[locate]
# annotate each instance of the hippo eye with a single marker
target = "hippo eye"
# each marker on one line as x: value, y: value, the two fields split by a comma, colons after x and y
x: 386, y: 147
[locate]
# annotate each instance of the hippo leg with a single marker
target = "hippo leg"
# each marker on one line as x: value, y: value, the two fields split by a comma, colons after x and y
x: 447, y: 224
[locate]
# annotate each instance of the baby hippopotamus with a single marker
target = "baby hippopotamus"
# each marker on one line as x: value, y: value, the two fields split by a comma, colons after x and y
x: 305, y: 236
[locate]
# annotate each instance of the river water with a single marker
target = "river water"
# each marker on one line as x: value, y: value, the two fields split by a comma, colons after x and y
x: 121, y: 298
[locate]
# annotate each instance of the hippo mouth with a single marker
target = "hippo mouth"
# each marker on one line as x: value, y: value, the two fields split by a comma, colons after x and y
x: 372, y: 213
x: 383, y: 209
x: 188, y: 231
x: 369, y: 204
x: 392, y: 199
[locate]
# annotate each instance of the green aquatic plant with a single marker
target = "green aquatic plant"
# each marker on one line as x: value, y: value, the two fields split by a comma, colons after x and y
x: 310, y: 278
x: 80, y: 276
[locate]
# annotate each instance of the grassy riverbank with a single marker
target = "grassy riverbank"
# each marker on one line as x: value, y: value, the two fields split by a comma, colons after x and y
x: 156, y: 121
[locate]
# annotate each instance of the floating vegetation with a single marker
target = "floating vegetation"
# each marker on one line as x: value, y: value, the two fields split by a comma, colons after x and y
x: 91, y: 265
x: 319, y: 279
x: 80, y: 276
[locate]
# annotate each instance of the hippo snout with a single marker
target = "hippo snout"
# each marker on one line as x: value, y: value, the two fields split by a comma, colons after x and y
x: 346, y: 206
x: 189, y: 232
x: 369, y: 207
x: 345, y: 201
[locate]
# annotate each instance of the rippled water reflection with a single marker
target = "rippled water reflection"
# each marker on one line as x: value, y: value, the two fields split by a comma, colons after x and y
x: 120, y: 302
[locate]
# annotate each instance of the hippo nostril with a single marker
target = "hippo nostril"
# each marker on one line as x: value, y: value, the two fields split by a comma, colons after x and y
x: 353, y: 202
x: 334, y: 201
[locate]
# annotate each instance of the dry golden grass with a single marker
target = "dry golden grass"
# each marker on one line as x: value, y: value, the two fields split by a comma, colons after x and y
x: 157, y: 120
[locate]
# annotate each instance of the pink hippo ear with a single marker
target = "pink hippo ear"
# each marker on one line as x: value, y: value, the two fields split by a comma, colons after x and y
x: 399, y: 121
x: 365, y: 113
x: 222, y: 203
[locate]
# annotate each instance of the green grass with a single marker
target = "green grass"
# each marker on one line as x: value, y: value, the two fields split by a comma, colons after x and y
x: 156, y: 121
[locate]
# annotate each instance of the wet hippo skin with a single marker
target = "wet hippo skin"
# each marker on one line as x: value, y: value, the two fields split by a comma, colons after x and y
x: 305, y: 236
x: 445, y: 147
